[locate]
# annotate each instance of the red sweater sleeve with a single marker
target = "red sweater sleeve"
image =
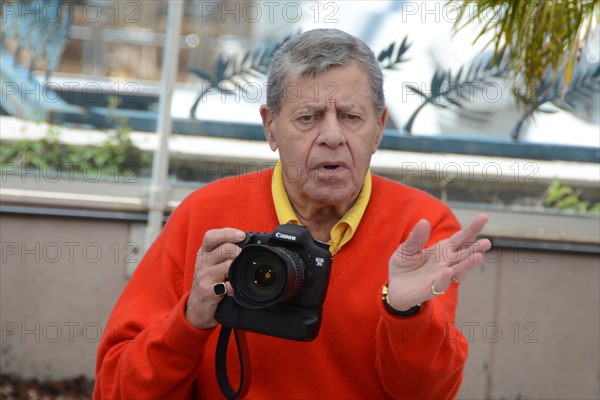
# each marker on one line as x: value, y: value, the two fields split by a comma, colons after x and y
x: 149, y: 350
x: 422, y: 357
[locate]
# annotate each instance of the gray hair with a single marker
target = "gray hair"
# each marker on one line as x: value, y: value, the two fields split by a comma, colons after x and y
x: 315, y: 51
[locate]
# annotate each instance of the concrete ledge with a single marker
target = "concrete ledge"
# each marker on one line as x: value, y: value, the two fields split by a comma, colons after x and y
x: 395, y: 163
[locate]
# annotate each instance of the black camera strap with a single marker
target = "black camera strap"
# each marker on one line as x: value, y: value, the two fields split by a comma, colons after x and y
x: 221, y: 363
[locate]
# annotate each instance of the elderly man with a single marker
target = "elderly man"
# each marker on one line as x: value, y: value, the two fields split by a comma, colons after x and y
x: 388, y: 318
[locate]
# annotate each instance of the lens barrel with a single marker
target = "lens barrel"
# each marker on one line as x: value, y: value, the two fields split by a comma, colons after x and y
x: 264, y: 275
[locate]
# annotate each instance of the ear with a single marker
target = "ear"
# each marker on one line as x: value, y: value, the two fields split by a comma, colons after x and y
x: 268, y: 126
x: 381, y: 124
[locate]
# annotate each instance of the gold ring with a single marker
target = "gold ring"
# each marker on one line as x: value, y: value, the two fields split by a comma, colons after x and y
x: 435, y: 292
x: 454, y: 279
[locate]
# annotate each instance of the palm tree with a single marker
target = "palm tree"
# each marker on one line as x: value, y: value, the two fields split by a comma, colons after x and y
x: 537, y: 38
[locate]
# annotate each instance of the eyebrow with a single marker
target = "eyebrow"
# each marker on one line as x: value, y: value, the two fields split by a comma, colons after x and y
x: 311, y: 108
x: 320, y: 107
x: 351, y: 108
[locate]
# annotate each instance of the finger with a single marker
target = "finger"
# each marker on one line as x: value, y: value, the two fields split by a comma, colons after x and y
x: 216, y: 237
x: 218, y: 272
x: 416, y: 239
x: 205, y: 285
x: 226, y: 251
x: 218, y: 291
x: 206, y: 276
x: 462, y: 269
x: 453, y: 253
x: 218, y: 245
x: 468, y: 234
x: 442, y: 282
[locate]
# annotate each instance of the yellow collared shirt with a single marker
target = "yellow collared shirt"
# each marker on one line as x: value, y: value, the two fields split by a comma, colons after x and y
x: 343, y: 230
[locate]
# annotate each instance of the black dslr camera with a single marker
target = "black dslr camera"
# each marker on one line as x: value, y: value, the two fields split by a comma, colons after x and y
x: 279, y: 280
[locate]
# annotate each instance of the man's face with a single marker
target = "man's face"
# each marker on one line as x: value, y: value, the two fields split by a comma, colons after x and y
x: 326, y: 132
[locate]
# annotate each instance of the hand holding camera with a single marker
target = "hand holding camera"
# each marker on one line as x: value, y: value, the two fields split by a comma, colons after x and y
x: 212, y: 266
x: 279, y: 283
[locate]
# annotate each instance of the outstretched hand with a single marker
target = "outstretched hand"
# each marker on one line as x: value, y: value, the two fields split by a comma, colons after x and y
x: 417, y: 274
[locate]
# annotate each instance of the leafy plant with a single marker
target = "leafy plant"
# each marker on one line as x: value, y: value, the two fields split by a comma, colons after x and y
x: 534, y: 36
x: 117, y: 155
x: 43, y: 152
x: 573, y: 96
x: 565, y: 198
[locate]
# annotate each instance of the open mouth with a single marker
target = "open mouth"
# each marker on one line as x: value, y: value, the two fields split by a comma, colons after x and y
x: 332, y: 170
x: 331, y: 166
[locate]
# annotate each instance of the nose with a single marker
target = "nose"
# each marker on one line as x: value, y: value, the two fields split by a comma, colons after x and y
x: 331, y: 131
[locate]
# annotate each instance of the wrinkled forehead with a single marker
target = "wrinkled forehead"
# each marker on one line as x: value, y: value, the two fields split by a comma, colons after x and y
x: 348, y: 87
x: 303, y: 71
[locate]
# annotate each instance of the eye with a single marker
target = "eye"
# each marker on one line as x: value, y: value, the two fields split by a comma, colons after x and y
x: 307, y: 118
x: 352, y: 117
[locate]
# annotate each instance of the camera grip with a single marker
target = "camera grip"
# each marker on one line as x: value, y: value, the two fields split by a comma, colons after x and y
x: 281, y: 321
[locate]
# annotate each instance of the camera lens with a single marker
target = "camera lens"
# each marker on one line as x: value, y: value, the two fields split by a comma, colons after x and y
x: 264, y: 275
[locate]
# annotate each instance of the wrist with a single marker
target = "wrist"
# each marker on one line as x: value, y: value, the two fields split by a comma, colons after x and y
x: 193, y: 315
x: 399, y: 313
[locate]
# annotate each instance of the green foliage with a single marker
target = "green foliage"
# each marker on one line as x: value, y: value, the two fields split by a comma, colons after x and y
x: 117, y: 155
x: 42, y: 153
x: 534, y: 35
x: 565, y: 198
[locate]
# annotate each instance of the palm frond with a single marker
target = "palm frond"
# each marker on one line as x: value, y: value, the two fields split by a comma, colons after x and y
x: 232, y: 70
x: 456, y: 87
x: 386, y: 57
x: 533, y: 36
x: 578, y: 98
x: 585, y: 84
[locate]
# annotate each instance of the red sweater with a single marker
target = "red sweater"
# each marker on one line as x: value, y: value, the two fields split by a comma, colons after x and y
x: 150, y: 351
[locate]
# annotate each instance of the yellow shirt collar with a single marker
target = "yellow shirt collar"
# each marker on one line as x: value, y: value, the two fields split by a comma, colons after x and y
x: 343, y: 230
